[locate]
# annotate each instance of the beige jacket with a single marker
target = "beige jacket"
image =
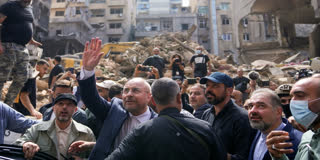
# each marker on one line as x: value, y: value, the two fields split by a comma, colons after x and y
x: 44, y: 134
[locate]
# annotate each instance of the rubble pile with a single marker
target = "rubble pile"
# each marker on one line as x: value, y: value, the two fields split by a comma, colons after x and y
x: 120, y: 67
x: 169, y: 45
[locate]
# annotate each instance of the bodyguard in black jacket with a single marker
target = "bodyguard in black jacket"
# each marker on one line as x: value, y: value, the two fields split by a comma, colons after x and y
x: 229, y: 121
x: 171, y: 136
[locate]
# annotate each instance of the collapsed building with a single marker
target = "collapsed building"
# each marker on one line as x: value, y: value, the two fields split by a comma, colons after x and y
x: 291, y: 26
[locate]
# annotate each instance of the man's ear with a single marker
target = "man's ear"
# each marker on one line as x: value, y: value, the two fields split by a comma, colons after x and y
x: 229, y: 91
x: 152, y: 101
x: 75, y: 110
x: 178, y: 98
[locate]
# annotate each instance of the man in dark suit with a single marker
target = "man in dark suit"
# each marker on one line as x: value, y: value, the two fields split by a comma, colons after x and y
x: 119, y: 116
x: 265, y: 114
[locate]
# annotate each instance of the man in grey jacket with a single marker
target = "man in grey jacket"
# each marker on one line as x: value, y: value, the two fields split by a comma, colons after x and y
x: 55, y: 137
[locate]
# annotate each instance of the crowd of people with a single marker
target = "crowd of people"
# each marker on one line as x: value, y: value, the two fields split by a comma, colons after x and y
x: 208, y: 116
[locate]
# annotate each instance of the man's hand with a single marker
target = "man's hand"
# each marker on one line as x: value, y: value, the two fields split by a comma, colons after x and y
x: 29, y: 149
x: 296, y: 125
x: 276, y: 143
x: 36, y: 114
x: 34, y: 42
x: 92, y: 54
x: 80, y: 146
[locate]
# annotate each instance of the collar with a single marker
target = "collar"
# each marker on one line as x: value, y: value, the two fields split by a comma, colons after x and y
x: 67, y: 130
x: 166, y: 111
x: 142, y: 117
x: 225, y: 109
x: 280, y: 127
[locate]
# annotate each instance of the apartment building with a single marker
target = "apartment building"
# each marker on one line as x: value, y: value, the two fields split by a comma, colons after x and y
x: 203, y: 22
x: 160, y: 16
x: 73, y: 22
x: 284, y: 27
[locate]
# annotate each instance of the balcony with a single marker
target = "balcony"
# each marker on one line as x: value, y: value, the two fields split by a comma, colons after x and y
x: 58, y: 5
x: 66, y: 20
x: 115, y: 16
x: 117, y: 2
x: 117, y: 31
x: 146, y: 34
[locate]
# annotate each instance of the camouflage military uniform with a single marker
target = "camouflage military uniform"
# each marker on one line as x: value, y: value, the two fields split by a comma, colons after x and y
x: 13, y: 62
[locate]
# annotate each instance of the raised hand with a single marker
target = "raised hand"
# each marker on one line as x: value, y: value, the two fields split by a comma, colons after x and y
x: 91, y: 54
x: 276, y: 143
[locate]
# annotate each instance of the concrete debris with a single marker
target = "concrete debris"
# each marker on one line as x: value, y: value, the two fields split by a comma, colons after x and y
x: 315, y: 65
x: 120, y: 67
x: 297, y: 58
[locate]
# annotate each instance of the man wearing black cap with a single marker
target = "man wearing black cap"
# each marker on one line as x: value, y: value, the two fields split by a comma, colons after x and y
x: 55, y: 137
x: 228, y: 121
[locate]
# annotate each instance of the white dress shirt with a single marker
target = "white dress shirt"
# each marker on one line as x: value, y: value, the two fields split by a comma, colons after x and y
x: 62, y: 136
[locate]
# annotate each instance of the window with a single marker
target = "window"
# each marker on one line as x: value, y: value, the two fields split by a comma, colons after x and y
x: 114, y: 25
x: 245, y: 22
x: 97, y: 12
x: 166, y: 25
x: 225, y: 20
x: 246, y: 37
x: 202, y: 23
x: 114, y: 39
x: 184, y: 27
x: 60, y: 1
x: 58, y: 32
x: 224, y: 6
x: 226, y: 36
x: 116, y: 11
x: 154, y: 28
x: 143, y: 6
x: 59, y: 13
x: 78, y: 10
x: 205, y: 41
x: 97, y: 1
x: 203, y: 10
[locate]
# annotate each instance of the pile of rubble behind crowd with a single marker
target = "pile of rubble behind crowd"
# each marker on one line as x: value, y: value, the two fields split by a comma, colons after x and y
x: 120, y: 67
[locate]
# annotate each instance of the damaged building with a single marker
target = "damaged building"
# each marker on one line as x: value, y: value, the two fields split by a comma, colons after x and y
x: 281, y: 29
x: 73, y: 22
x: 155, y: 17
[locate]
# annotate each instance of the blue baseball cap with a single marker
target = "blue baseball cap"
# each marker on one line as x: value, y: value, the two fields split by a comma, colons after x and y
x: 218, y: 77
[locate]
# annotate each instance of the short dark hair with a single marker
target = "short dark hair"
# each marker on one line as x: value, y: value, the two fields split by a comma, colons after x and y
x: 115, y: 90
x: 164, y: 91
x: 42, y: 62
x: 57, y: 58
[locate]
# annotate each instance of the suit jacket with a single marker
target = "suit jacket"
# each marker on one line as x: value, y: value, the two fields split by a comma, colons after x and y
x: 111, y: 113
x: 44, y: 134
x: 295, y: 138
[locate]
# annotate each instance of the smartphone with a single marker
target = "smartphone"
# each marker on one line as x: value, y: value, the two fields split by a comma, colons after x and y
x: 70, y: 69
x: 192, y: 80
x: 145, y: 68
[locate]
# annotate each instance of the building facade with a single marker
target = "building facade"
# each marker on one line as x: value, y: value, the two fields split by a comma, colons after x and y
x: 73, y: 22
x: 160, y: 16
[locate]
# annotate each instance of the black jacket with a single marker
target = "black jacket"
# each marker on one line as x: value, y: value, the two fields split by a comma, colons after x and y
x: 162, y: 139
x: 233, y: 127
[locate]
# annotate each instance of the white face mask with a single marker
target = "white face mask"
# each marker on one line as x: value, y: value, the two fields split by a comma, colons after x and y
x: 301, y: 112
x: 198, y: 51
